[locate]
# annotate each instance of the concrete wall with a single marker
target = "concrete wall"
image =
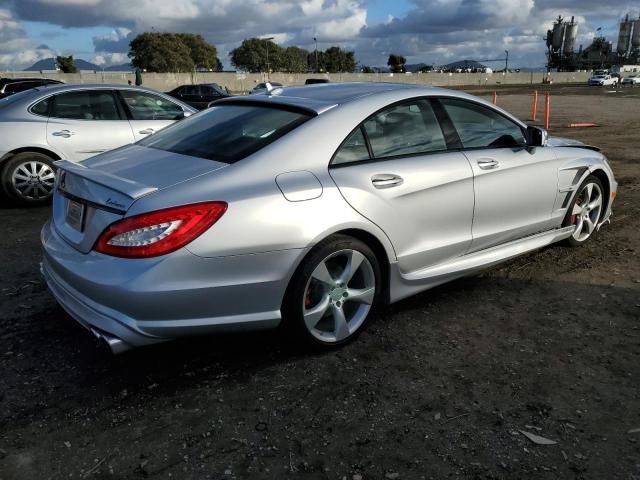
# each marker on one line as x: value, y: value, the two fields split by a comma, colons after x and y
x: 241, y: 82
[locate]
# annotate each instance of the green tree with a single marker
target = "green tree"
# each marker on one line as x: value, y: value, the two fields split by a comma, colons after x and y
x: 397, y: 63
x: 294, y: 60
x: 334, y: 60
x: 251, y: 55
x: 203, y: 54
x: 172, y: 52
x: 367, y: 69
x: 66, y: 64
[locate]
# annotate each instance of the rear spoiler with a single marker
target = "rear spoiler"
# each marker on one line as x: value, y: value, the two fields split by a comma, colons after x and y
x: 127, y: 187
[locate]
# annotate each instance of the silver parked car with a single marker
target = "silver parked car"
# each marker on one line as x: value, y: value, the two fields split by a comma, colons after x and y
x: 308, y: 208
x: 72, y: 122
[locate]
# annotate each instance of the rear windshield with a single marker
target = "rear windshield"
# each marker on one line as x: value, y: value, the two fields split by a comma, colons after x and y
x: 226, y: 133
x: 6, y: 101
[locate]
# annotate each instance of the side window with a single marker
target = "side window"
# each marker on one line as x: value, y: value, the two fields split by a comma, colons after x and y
x: 146, y: 106
x: 85, y: 105
x: 353, y: 150
x: 189, y: 90
x: 209, y: 91
x: 407, y: 128
x: 481, y: 127
x: 42, y: 107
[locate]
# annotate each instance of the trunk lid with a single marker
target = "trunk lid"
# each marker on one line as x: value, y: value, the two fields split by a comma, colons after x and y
x: 99, y: 191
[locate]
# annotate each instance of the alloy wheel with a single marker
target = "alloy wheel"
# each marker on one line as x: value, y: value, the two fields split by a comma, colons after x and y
x: 33, y: 180
x: 339, y: 295
x: 586, y: 211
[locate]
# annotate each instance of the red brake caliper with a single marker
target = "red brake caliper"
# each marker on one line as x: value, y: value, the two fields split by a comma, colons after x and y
x: 307, y: 297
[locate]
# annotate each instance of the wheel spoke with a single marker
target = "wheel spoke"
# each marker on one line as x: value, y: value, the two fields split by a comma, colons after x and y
x: 578, y: 231
x: 589, y: 189
x: 576, y: 209
x: 315, y: 314
x: 321, y: 273
x: 595, y: 203
x: 590, y: 225
x: 340, y: 327
x: 354, y: 260
x: 364, y: 295
x: 47, y: 176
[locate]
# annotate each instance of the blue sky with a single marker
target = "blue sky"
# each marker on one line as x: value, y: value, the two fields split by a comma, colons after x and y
x: 430, y: 31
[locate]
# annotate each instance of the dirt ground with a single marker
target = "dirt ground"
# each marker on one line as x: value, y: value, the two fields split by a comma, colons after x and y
x: 440, y: 385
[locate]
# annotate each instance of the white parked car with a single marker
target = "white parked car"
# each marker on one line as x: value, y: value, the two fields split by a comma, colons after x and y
x: 603, y: 80
x: 631, y: 80
x: 72, y: 122
x: 263, y: 87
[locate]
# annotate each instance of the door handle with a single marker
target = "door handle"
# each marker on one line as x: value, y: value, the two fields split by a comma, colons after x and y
x: 146, y: 131
x: 386, y: 180
x: 63, y: 133
x: 488, y: 163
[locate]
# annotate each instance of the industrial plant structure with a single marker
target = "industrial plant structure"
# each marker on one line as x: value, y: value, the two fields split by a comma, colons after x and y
x: 562, y: 55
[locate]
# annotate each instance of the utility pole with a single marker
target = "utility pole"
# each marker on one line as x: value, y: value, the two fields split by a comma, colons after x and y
x: 315, y: 39
x: 268, y: 39
x: 506, y: 61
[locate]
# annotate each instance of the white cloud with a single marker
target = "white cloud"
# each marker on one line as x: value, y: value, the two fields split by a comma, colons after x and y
x: 433, y: 31
x: 106, y: 59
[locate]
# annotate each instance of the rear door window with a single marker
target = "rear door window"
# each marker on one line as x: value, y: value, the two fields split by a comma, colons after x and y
x: 404, y: 129
x: 227, y: 133
x: 353, y: 150
x: 85, y: 105
x: 42, y: 107
x: 147, y: 106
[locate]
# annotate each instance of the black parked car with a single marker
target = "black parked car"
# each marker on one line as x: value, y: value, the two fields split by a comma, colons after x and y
x: 9, y: 86
x: 314, y: 81
x: 199, y: 96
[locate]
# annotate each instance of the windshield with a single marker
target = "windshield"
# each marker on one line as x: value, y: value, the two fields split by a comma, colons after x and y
x: 226, y: 133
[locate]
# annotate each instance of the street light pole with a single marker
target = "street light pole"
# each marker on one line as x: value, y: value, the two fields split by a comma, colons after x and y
x: 315, y: 39
x: 506, y: 62
x: 268, y: 39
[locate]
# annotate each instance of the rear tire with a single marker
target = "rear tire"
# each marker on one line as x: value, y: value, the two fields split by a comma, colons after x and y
x: 333, y: 293
x: 585, y: 211
x: 28, y: 179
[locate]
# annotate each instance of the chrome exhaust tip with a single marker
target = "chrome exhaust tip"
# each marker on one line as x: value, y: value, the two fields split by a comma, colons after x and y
x: 115, y: 344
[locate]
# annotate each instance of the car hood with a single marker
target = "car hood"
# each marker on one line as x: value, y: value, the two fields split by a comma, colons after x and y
x: 569, y: 142
x: 564, y: 142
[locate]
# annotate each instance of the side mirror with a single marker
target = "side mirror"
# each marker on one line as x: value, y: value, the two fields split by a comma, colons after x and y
x: 186, y: 114
x: 537, y: 137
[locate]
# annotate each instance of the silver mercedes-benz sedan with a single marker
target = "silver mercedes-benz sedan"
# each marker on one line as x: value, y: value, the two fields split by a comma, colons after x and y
x: 306, y: 207
x: 72, y: 122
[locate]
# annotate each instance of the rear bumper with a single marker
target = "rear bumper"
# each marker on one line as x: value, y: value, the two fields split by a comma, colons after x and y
x: 146, y: 301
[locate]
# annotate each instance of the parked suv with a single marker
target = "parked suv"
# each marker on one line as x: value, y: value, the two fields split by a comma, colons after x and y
x: 72, y: 122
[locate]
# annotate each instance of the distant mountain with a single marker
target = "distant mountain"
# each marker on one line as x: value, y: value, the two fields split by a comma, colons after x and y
x: 416, y: 67
x: 463, y: 64
x: 125, y: 67
x: 50, y: 64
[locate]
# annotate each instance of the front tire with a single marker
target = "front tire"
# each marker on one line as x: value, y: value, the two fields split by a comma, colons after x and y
x: 585, y: 211
x: 28, y: 178
x: 333, y: 293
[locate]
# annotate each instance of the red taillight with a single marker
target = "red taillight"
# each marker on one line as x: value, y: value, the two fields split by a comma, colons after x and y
x: 160, y: 232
